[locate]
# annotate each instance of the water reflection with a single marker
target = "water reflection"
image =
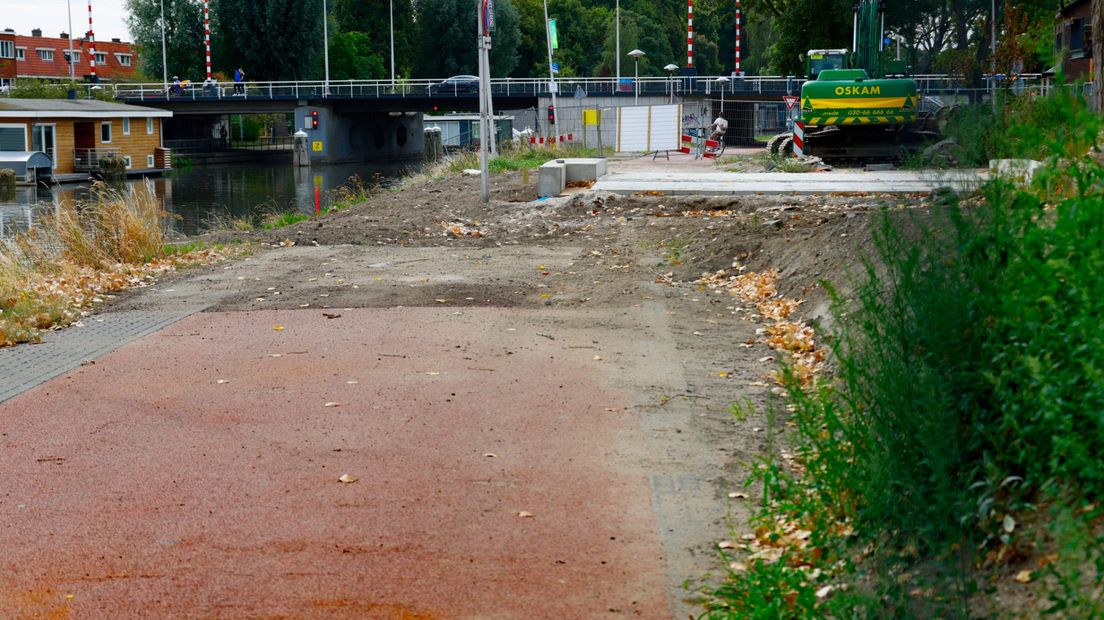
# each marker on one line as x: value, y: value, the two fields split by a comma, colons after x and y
x: 203, y: 196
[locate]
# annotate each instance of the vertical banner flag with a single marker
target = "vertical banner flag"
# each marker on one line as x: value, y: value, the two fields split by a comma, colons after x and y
x: 553, y: 34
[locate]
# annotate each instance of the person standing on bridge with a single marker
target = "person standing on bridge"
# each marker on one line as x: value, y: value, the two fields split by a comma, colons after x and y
x: 239, y: 81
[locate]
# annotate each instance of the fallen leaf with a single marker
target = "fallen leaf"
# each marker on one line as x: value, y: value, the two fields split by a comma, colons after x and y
x: 525, y: 514
x: 278, y: 327
x: 1009, y: 524
x: 441, y: 301
x: 352, y: 382
x: 726, y: 544
x: 598, y: 358
x: 490, y: 455
x: 1024, y: 576
x: 332, y: 404
x: 347, y: 479
x: 738, y: 567
x: 331, y: 316
x: 433, y: 374
x: 275, y: 355
x: 825, y: 591
x: 735, y: 495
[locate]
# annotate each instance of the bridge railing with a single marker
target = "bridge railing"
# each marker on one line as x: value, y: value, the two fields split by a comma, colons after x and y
x: 674, y: 85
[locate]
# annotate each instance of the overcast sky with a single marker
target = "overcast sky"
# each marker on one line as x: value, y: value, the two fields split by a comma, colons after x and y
x: 53, y: 18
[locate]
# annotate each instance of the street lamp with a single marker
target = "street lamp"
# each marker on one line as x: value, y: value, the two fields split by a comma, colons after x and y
x: 391, y: 16
x: 671, y: 68
x: 326, y: 47
x: 722, y: 81
x: 164, y: 54
x: 636, y: 54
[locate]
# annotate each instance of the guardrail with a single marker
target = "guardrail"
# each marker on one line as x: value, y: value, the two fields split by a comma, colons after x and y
x: 673, y: 85
x: 88, y: 160
x: 213, y: 145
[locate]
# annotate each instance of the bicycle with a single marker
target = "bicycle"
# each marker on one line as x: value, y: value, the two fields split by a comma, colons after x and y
x: 713, y: 151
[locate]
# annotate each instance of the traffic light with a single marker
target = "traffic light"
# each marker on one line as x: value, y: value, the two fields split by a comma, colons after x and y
x: 314, y: 119
x: 552, y: 114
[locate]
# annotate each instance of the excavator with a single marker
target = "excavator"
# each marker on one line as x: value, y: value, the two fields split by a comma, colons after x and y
x: 857, y: 104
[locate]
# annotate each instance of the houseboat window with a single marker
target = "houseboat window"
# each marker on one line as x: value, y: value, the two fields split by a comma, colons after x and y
x: 21, y: 53
x: 124, y: 59
x: 149, y: 125
x: 7, y: 49
x: 126, y: 126
x: 126, y: 158
x: 105, y: 132
x: 47, y: 55
x: 101, y: 58
x: 1077, y: 38
x: 149, y: 161
x: 13, y: 137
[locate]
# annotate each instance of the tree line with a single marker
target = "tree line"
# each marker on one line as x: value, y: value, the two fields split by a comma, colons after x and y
x: 283, y: 39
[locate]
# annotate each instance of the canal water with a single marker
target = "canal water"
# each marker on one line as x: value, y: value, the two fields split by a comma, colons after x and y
x: 203, y: 196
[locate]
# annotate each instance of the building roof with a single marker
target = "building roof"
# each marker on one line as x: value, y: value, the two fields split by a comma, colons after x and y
x: 33, y: 65
x: 75, y: 108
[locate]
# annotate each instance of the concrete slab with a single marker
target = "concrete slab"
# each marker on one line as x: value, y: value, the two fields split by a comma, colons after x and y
x: 738, y: 183
x: 585, y: 169
x: 552, y: 179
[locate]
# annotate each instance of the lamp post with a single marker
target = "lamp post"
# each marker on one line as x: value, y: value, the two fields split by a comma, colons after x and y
x: 636, y: 54
x: 391, y: 16
x: 722, y: 81
x: 671, y: 68
x: 69, y: 7
x: 164, y: 53
x: 326, y: 47
x: 617, y: 28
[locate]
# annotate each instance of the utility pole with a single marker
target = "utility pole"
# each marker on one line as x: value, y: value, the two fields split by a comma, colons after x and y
x: 551, y: 74
x: 993, y: 52
x: 618, y: 45
x: 484, y: 43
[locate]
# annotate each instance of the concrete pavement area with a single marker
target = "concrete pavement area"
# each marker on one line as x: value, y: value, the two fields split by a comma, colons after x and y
x: 682, y: 175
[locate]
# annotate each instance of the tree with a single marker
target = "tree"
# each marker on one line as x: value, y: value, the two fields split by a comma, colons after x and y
x: 352, y: 57
x: 374, y: 20
x: 448, y: 35
x: 183, y: 36
x: 270, y: 39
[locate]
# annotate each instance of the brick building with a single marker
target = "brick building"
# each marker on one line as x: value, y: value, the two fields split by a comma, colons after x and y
x: 1073, y: 35
x: 36, y: 56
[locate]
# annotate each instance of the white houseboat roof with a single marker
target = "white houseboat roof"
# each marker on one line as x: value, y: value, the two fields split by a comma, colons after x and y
x: 75, y: 108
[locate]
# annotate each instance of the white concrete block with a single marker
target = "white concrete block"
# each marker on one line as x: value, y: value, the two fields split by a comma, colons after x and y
x: 584, y: 169
x: 553, y: 178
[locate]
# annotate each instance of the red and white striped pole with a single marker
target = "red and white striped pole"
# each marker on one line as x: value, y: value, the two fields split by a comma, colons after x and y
x: 207, y: 36
x: 91, y: 42
x: 689, y: 34
x: 799, y: 139
x: 737, y: 37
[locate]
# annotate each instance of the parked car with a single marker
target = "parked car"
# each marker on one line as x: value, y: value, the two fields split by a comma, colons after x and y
x: 455, y: 85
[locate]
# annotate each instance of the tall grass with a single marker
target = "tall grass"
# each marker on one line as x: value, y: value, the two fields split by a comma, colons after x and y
x: 963, y: 427
x: 77, y: 254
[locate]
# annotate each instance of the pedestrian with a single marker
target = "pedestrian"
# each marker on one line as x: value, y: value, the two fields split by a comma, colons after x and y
x: 223, y: 135
x: 176, y: 88
x: 239, y: 81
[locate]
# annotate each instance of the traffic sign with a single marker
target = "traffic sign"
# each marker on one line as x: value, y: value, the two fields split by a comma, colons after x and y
x: 790, y: 100
x: 555, y: 67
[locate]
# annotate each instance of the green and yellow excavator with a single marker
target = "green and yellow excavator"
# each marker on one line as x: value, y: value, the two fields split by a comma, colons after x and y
x: 859, y: 104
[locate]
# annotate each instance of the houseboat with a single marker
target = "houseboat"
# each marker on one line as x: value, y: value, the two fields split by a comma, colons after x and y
x: 81, y: 135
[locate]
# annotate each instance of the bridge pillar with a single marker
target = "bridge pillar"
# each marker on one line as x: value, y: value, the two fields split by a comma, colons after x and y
x: 336, y: 135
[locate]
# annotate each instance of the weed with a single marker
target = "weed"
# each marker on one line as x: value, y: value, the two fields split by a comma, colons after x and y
x: 676, y: 248
x: 280, y: 220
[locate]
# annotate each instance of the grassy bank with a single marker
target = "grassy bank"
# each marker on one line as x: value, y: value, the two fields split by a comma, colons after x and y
x: 75, y: 258
x: 949, y: 466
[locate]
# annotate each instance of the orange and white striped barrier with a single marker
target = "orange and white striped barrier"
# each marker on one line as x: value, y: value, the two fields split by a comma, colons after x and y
x: 711, y: 147
x: 799, y: 139
x: 687, y: 144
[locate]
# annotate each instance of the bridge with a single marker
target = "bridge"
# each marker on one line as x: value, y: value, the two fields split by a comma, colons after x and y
x: 349, y: 118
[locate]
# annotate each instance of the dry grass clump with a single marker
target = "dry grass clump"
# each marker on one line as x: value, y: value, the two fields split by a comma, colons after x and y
x: 51, y: 275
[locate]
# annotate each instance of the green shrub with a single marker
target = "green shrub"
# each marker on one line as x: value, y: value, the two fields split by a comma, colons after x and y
x: 964, y: 420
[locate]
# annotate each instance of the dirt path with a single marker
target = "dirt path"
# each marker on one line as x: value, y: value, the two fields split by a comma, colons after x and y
x: 194, y: 471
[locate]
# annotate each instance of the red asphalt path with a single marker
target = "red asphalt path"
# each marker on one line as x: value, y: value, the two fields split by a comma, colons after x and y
x: 140, y: 486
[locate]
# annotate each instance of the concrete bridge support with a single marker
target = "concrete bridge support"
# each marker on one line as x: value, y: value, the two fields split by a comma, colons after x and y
x: 337, y: 135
